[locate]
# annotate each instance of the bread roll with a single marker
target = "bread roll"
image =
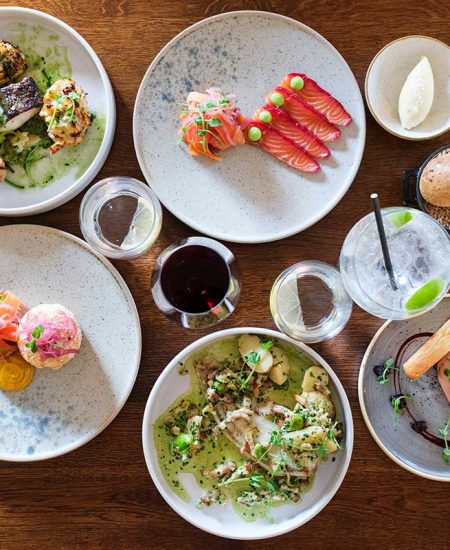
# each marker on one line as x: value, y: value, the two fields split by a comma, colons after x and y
x: 430, y: 353
x: 435, y: 180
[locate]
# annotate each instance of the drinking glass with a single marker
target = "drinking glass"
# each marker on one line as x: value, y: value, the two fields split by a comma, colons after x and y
x: 120, y: 217
x: 195, y: 282
x: 309, y: 303
x: 420, y: 253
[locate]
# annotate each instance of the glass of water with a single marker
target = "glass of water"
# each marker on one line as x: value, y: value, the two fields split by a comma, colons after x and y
x: 420, y: 253
x: 120, y: 217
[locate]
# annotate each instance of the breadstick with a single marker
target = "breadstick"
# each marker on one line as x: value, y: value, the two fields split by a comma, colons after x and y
x: 430, y: 353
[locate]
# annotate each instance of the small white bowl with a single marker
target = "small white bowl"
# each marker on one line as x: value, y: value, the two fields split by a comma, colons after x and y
x: 222, y: 520
x: 387, y: 74
x: 39, y: 28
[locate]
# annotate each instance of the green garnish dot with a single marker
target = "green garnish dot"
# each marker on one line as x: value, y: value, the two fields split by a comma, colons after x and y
x: 277, y: 99
x: 425, y: 295
x: 399, y: 219
x: 254, y: 134
x: 297, y: 83
x: 265, y: 116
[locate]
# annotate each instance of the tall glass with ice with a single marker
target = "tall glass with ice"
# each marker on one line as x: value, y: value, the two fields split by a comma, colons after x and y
x: 420, y: 252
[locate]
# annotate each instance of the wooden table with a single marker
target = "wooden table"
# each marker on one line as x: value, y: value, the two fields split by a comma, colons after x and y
x: 101, y: 496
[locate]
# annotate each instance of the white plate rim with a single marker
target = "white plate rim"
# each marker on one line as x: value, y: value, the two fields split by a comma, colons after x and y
x: 365, y: 415
x: 170, y: 497
x: 283, y: 234
x: 388, y: 129
x: 102, y: 154
x: 129, y: 297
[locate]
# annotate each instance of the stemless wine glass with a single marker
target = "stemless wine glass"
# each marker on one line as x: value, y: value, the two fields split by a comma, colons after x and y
x: 120, y: 217
x: 195, y: 282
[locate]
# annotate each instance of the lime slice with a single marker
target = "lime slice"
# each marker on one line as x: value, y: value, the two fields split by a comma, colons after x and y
x: 399, y: 219
x: 288, y: 303
x: 425, y: 295
x: 140, y: 226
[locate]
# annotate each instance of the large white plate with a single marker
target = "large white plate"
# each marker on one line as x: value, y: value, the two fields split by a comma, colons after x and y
x: 61, y: 410
x: 395, y: 436
x: 250, y: 197
x: 88, y: 71
x: 222, y: 520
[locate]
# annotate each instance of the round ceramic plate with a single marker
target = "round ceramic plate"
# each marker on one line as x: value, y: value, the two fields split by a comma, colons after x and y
x: 66, y: 54
x: 419, y: 453
x: 222, y: 520
x: 61, y: 410
x: 387, y: 74
x: 251, y: 196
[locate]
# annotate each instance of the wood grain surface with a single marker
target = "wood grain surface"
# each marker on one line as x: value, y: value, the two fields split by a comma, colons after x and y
x: 101, y: 496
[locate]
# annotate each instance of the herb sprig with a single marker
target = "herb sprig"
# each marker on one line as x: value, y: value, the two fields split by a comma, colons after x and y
x: 37, y: 332
x: 398, y: 402
x: 446, y: 450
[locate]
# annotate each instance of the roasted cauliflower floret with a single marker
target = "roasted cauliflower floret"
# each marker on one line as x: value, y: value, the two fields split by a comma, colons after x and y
x: 12, y: 62
x: 2, y: 170
x: 66, y: 114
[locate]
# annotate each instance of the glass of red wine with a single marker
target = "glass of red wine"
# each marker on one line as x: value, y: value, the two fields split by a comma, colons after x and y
x: 195, y: 282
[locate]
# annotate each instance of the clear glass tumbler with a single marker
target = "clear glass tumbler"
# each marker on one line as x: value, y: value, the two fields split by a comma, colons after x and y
x: 120, y: 217
x: 419, y: 248
x: 195, y: 282
x: 309, y: 303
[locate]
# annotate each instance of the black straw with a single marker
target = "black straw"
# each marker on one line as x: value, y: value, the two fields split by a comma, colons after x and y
x: 383, y: 240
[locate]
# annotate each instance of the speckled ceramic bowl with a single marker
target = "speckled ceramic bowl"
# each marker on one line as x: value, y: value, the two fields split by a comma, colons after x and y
x: 413, y: 451
x: 61, y: 410
x: 387, y: 74
x: 47, y: 36
x: 222, y: 520
x: 251, y: 196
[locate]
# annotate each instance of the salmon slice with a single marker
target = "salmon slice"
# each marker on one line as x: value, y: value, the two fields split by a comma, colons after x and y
x: 443, y: 372
x: 317, y: 97
x: 304, y: 114
x: 286, y: 125
x: 279, y: 146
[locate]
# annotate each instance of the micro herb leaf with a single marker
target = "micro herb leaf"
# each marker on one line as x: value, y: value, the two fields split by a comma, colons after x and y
x: 446, y: 451
x: 214, y: 122
x: 275, y: 438
x: 267, y: 345
x: 36, y: 334
x: 447, y: 373
x: 252, y: 357
x: 397, y: 403
x: 388, y: 366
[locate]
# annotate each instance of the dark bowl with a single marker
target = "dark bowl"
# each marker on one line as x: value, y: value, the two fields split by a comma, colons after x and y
x: 411, y: 195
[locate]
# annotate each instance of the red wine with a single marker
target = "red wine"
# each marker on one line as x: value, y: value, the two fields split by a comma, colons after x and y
x: 195, y: 279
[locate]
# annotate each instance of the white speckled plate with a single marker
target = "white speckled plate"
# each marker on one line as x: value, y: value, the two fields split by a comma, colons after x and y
x: 222, y: 520
x: 250, y: 197
x: 411, y: 450
x: 61, y: 410
x: 387, y: 74
x: 47, y: 36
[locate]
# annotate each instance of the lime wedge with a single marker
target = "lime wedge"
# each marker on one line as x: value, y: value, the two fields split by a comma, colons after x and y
x: 399, y: 219
x: 425, y: 295
x: 288, y: 303
x: 140, y: 226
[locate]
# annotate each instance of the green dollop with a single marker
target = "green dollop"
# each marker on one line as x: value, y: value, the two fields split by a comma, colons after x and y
x: 183, y: 442
x: 425, y: 295
x: 297, y: 83
x: 254, y: 134
x: 277, y: 99
x: 265, y: 116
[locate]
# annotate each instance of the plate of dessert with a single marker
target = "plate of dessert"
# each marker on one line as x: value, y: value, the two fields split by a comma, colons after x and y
x: 70, y: 343
x: 407, y: 87
x: 57, y: 112
x: 249, y: 126
x: 247, y: 433
x: 404, y: 392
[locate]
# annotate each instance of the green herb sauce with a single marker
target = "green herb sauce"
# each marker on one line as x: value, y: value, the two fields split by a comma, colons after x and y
x: 219, y: 450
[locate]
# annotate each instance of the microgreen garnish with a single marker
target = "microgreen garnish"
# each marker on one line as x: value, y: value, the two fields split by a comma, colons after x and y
x: 446, y: 450
x: 259, y: 481
x: 252, y: 359
x: 36, y: 334
x: 383, y: 378
x: 275, y: 438
x: 2, y: 297
x: 447, y: 373
x: 398, y: 402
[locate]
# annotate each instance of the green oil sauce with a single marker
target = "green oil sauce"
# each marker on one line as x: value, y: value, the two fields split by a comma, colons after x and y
x: 219, y: 450
x: 48, y: 61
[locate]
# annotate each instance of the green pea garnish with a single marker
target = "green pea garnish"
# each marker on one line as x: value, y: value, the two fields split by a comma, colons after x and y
x: 265, y: 116
x: 297, y: 83
x: 277, y: 99
x: 254, y: 134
